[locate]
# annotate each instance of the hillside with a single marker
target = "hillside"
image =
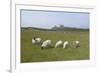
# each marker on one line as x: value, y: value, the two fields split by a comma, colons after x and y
x: 56, y: 29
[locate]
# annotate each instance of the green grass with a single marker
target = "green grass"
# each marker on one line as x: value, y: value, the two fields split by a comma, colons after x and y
x: 33, y: 53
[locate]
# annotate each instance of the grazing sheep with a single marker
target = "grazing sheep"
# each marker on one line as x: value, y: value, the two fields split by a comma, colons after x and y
x: 65, y: 44
x: 58, y: 43
x: 77, y: 44
x: 36, y: 40
x: 46, y: 44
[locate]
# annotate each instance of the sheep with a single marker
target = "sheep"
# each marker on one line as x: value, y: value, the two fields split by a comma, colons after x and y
x: 46, y: 44
x: 38, y: 40
x: 65, y: 44
x: 77, y: 44
x: 58, y: 43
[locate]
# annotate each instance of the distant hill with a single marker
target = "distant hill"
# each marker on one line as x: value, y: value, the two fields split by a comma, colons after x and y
x: 62, y: 27
x: 56, y: 29
x: 68, y: 28
x: 35, y: 28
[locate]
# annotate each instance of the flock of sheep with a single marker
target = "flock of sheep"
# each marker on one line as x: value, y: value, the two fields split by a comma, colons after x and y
x: 48, y: 43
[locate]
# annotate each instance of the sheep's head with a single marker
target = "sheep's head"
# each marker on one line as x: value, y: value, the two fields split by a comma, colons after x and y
x: 42, y: 47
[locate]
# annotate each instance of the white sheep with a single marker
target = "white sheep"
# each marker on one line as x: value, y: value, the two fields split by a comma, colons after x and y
x: 46, y: 44
x: 77, y: 44
x: 38, y: 40
x: 65, y: 44
x: 58, y: 43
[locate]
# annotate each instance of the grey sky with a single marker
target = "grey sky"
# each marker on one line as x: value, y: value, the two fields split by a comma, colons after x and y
x: 48, y: 19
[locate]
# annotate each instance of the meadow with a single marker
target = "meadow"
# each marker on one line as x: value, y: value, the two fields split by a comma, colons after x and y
x: 33, y: 52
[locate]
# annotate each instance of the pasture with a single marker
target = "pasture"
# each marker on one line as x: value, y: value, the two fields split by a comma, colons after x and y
x: 33, y: 52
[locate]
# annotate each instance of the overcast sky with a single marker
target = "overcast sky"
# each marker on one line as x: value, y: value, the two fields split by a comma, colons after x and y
x: 48, y: 19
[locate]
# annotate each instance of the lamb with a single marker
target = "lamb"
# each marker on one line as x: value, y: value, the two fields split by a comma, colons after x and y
x: 46, y: 44
x: 65, y: 44
x: 58, y: 43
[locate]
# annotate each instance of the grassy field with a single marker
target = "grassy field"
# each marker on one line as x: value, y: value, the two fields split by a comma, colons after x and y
x: 33, y: 53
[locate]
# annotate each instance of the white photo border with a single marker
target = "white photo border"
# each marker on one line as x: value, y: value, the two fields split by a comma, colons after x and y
x: 16, y: 64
